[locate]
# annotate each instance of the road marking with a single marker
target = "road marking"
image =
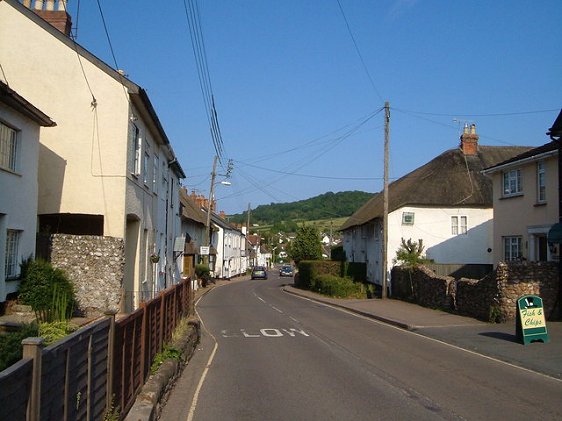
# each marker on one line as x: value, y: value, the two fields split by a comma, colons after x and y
x: 276, y: 309
x: 369, y: 319
x: 264, y: 333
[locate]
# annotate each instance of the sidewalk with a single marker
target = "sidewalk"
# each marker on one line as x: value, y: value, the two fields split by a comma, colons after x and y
x: 495, y: 340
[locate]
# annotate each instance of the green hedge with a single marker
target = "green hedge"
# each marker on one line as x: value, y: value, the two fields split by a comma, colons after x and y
x: 333, y: 278
x: 11, y: 347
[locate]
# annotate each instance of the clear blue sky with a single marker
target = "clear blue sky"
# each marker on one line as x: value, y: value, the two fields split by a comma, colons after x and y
x: 291, y: 89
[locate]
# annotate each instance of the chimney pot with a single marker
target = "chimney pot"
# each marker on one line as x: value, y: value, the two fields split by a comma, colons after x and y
x: 469, y: 140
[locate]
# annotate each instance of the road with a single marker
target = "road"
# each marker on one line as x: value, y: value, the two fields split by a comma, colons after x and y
x: 269, y: 355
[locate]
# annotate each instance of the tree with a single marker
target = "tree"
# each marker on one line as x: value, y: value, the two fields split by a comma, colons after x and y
x: 307, y: 244
x: 410, y: 253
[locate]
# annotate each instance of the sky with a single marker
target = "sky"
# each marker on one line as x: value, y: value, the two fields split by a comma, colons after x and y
x: 299, y: 85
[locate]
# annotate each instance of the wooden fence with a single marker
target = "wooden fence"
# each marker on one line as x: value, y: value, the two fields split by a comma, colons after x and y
x: 105, y: 363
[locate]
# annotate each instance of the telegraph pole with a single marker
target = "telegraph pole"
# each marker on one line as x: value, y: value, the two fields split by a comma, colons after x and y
x: 385, y: 199
x: 207, y: 241
x: 248, y: 222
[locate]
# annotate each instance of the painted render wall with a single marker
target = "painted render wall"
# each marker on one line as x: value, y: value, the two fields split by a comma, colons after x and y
x: 81, y: 150
x: 522, y: 215
x: 18, y: 193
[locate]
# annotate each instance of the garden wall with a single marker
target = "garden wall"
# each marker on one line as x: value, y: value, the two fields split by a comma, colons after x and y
x: 422, y: 286
x: 95, y: 265
x: 492, y: 298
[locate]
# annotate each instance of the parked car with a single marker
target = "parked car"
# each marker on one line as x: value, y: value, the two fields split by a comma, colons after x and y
x: 259, y: 272
x: 286, y: 270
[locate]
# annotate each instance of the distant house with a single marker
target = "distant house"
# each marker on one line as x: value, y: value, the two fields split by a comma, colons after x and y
x: 20, y: 124
x: 525, y: 205
x: 230, y: 245
x: 193, y: 222
x: 107, y: 172
x: 446, y: 203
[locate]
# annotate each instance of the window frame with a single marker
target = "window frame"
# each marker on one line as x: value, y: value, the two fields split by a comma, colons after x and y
x: 135, y: 166
x: 9, y: 147
x: 146, y: 164
x: 541, y: 182
x: 512, y: 183
x: 11, y: 259
x: 513, y: 240
x: 408, y: 218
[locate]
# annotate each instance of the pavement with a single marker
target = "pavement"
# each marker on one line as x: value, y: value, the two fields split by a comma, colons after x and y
x: 494, y: 340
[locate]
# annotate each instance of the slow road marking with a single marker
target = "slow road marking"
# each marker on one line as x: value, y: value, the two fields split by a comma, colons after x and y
x: 263, y: 333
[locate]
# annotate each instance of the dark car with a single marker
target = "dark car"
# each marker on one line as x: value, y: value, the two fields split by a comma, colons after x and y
x: 259, y: 272
x: 286, y: 270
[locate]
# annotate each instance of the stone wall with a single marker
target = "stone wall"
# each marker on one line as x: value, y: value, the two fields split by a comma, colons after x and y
x: 95, y: 265
x: 423, y: 286
x: 493, y: 298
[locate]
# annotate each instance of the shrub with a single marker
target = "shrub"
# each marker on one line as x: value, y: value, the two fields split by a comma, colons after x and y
x: 338, y: 287
x: 10, y: 345
x: 54, y: 331
x: 168, y: 353
x: 47, y: 290
x: 203, y: 272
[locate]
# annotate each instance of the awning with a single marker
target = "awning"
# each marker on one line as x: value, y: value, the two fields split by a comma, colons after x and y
x: 555, y: 234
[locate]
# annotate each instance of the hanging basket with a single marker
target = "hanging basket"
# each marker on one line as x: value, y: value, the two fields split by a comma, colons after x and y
x: 154, y: 258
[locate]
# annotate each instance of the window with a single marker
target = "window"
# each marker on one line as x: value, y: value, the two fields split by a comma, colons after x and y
x: 541, y: 186
x: 155, y: 174
x: 407, y: 218
x: 135, y: 144
x: 512, y: 183
x: 8, y: 148
x: 459, y: 225
x: 512, y: 248
x: 12, y: 251
x: 146, y: 164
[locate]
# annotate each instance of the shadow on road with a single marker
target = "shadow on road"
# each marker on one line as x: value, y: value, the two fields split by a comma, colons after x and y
x: 501, y: 336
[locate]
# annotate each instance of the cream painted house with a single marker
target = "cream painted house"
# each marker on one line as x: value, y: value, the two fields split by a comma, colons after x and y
x: 446, y: 203
x: 108, y: 168
x: 525, y: 205
x: 20, y: 124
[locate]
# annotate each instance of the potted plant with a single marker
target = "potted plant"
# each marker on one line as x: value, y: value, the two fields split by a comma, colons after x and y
x: 154, y: 258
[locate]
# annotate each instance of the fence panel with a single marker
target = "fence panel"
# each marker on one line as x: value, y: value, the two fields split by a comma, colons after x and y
x: 15, y: 390
x: 128, y: 374
x: 68, y: 370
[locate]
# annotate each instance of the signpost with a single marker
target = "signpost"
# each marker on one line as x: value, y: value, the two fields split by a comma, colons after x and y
x: 530, y: 323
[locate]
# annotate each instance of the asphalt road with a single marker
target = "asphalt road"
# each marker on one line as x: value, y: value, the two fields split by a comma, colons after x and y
x: 269, y: 355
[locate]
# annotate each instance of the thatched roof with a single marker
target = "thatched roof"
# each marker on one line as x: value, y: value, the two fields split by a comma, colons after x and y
x: 451, y: 179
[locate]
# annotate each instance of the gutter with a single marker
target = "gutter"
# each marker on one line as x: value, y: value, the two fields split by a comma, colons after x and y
x: 512, y: 164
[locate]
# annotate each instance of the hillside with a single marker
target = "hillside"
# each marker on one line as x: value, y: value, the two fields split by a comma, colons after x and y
x: 325, y: 206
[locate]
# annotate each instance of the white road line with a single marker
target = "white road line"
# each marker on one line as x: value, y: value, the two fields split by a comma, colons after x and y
x: 209, y: 362
x: 276, y: 309
x: 430, y: 339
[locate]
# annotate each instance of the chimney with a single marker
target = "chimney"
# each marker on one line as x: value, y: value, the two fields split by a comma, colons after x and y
x: 53, y: 11
x: 222, y: 215
x: 469, y: 140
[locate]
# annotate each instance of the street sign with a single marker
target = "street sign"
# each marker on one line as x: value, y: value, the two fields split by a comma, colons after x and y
x: 530, y: 323
x: 204, y: 250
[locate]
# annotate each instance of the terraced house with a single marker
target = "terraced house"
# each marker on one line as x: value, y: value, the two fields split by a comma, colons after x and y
x: 108, y: 175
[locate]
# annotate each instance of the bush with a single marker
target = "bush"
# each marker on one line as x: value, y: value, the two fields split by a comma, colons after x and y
x: 203, y: 272
x: 338, y: 287
x: 47, y: 290
x: 10, y: 345
x: 54, y: 331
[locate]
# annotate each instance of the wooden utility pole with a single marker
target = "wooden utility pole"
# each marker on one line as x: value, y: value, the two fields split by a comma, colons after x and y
x: 207, y: 240
x: 248, y: 222
x: 385, y: 199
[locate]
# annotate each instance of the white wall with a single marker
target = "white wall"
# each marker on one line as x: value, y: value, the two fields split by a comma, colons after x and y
x: 18, y: 193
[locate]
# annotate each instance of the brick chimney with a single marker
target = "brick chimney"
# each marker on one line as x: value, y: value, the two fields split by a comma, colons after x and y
x: 469, y: 140
x: 53, y: 11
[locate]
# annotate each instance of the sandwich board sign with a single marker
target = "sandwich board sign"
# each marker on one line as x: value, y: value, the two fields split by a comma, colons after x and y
x: 530, y: 323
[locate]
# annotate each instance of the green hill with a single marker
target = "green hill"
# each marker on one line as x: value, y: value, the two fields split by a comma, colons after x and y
x: 324, y: 207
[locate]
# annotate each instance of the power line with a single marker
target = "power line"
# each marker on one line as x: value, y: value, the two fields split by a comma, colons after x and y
x: 358, y: 51
x: 476, y: 115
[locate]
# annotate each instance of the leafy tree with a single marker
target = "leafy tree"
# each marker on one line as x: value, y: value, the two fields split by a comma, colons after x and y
x: 410, y: 253
x: 307, y: 244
